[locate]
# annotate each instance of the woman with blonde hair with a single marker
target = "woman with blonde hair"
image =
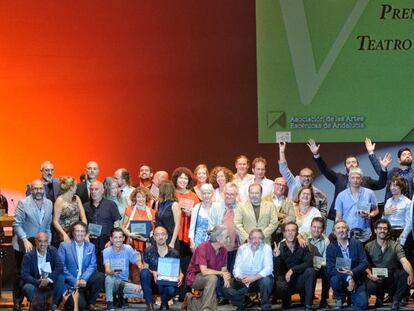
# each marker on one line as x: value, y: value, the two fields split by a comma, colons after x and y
x: 67, y: 210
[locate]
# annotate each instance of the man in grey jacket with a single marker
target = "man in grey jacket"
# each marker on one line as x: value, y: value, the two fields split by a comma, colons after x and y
x: 33, y: 214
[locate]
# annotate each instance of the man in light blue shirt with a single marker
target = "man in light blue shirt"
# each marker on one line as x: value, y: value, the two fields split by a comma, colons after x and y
x: 357, y: 205
x: 116, y: 260
x: 252, y: 271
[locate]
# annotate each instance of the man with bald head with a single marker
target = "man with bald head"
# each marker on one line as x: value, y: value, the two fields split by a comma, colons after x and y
x: 158, y: 178
x: 91, y: 174
x: 284, y: 206
x: 101, y: 214
x: 33, y: 214
x: 42, y: 267
x: 52, y: 190
x: 304, y: 179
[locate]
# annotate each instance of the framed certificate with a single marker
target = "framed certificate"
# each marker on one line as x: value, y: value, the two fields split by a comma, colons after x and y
x: 343, y: 263
x: 142, y: 227
x: 117, y: 265
x: 364, y: 207
x: 95, y: 229
x: 380, y: 272
x: 318, y: 262
x: 169, y: 271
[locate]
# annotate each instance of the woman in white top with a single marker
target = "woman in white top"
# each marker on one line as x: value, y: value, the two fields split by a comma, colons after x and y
x: 305, y: 210
x: 200, y: 216
x: 397, y: 209
x: 219, y: 177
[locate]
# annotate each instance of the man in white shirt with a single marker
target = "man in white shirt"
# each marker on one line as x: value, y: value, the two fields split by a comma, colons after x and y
x: 242, y: 178
x: 123, y: 179
x: 252, y: 272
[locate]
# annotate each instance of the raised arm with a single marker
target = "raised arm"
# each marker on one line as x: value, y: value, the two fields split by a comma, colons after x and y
x: 372, y: 157
x: 331, y: 175
x: 283, y: 166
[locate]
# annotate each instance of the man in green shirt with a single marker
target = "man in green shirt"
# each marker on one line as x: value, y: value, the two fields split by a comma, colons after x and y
x: 388, y: 255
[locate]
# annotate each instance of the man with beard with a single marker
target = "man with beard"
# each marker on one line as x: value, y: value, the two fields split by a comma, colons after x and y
x: 405, y: 159
x: 123, y: 179
x: 255, y: 213
x: 42, y: 268
x: 51, y: 184
x: 344, y: 278
x: 33, y: 214
x: 357, y: 205
x: 102, y: 215
x: 340, y: 180
x: 295, y: 268
x: 145, y: 175
x: 91, y: 174
x: 387, y: 254
x: 304, y: 180
x: 252, y: 272
x: 149, y: 275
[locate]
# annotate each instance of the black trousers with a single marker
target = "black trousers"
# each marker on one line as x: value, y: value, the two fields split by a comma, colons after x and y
x: 323, y: 274
x: 303, y: 283
x: 395, y: 284
x: 88, y: 294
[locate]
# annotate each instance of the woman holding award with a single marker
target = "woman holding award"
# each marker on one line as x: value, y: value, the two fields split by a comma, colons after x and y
x: 139, y: 218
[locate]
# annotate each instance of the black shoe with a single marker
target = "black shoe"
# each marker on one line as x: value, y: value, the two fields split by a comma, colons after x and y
x: 223, y: 302
x: 379, y: 303
x: 164, y: 305
x: 308, y: 308
x: 324, y: 305
x: 395, y: 306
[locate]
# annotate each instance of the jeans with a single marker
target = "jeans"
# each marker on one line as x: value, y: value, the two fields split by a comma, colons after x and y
x: 236, y: 293
x: 148, y: 284
x: 114, y: 284
x: 358, y: 296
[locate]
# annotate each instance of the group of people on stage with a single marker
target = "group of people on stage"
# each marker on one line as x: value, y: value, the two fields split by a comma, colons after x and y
x: 232, y: 234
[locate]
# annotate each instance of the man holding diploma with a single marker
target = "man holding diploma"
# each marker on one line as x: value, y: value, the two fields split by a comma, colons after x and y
x: 346, y: 262
x: 150, y: 274
x: 386, y: 258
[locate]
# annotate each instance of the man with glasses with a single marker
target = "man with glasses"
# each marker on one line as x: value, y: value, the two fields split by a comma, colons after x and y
x: 149, y: 275
x: 304, y: 179
x: 389, y: 256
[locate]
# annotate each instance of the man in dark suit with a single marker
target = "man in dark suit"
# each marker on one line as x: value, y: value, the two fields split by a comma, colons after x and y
x: 42, y: 267
x: 52, y: 189
x: 79, y: 266
x: 346, y: 262
x: 91, y: 174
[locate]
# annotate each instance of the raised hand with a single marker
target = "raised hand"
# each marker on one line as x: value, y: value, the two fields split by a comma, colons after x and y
x: 282, y: 146
x: 276, y: 250
x: 369, y: 145
x: 313, y: 147
x: 385, y: 161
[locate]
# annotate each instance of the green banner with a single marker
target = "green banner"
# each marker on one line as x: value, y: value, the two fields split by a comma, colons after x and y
x: 335, y: 70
